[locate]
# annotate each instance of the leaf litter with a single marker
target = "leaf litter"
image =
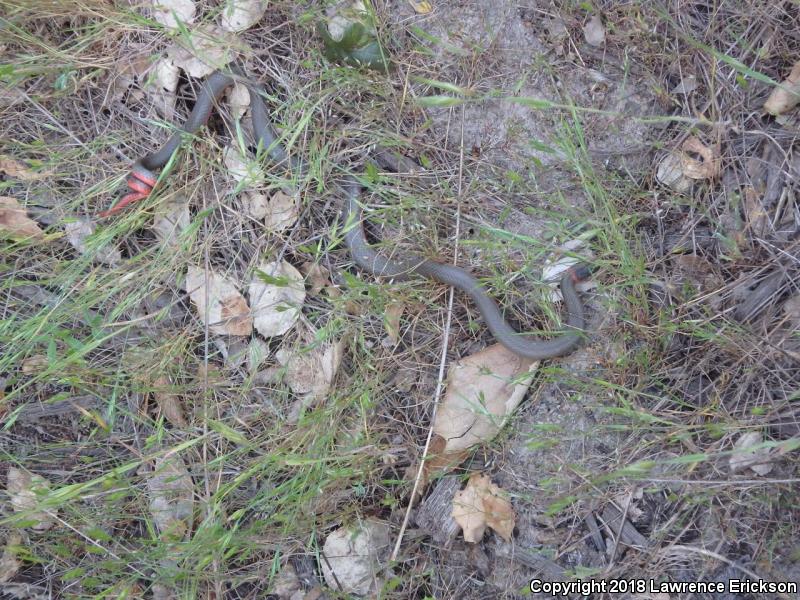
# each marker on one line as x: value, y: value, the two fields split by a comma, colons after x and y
x: 482, y: 504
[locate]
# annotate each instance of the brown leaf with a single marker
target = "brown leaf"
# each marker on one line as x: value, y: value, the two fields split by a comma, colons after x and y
x: 283, y: 211
x: 695, y: 169
x: 670, y: 173
x: 757, y: 217
x: 286, y: 583
x: 169, y: 403
x: 468, y: 513
x: 33, y: 365
x: 482, y: 391
x: 171, y: 496
x: 171, y: 13
x: 747, y: 454
x: 171, y: 219
x: 25, y: 490
x: 238, y: 15
x: 162, y: 86
x: 791, y: 308
x: 437, y: 461
x: 15, y: 222
x: 316, y: 275
x: 787, y: 96
x: 219, y: 304
x: 277, y: 294
x: 391, y: 320
x: 246, y: 171
x: 310, y: 374
x: 9, y: 564
x: 353, y: 557
x: 351, y: 307
x: 79, y: 233
x: 499, y: 515
x: 278, y: 212
x: 594, y: 32
x: 204, y: 50
x: 238, y: 100
x: 18, y: 170
x: 482, y: 504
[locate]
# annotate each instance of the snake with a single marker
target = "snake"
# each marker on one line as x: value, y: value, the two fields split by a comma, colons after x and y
x: 142, y: 179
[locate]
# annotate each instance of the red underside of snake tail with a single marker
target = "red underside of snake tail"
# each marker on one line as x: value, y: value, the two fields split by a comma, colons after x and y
x: 141, y: 182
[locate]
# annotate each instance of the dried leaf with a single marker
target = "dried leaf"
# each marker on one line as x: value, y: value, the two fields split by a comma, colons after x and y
x: 9, y: 96
x: 171, y: 496
x: 206, y: 50
x: 353, y: 556
x: 163, y: 592
x: 391, y: 320
x: 791, y: 308
x: 256, y: 205
x: 317, y: 276
x: 18, y: 170
x: 482, y: 504
x: 78, y: 234
x: 241, y: 169
x: 171, y: 12
x: 670, y: 173
x: 594, y: 32
x: 787, y: 96
x: 468, y: 512
x: 745, y: 454
x: 219, y: 304
x: 556, y: 29
x: 500, y: 516
x: 627, y: 501
x: 686, y: 86
x: 9, y: 565
x: 286, y: 583
x: 310, y: 374
x: 283, y: 211
x: 694, y: 169
x: 438, y: 460
x: 128, y: 72
x: 276, y: 294
x: 482, y: 392
x: 169, y: 403
x: 238, y: 15
x: 757, y: 218
x: 238, y: 100
x: 278, y: 212
x: 15, y: 223
x: 257, y: 352
x: 25, y: 489
x: 33, y: 365
x: 163, y: 86
x: 422, y: 7
x: 233, y: 350
x: 171, y: 219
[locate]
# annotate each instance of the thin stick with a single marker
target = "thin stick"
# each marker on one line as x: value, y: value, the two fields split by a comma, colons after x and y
x: 442, y: 362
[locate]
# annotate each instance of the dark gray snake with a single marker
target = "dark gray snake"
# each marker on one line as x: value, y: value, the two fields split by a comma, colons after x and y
x: 142, y: 179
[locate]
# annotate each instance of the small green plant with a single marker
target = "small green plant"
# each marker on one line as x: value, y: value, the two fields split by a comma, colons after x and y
x: 356, y: 47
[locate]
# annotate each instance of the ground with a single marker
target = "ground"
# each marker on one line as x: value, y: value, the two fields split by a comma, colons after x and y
x: 178, y: 462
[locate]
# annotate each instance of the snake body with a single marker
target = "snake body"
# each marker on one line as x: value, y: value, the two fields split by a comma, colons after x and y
x: 142, y: 179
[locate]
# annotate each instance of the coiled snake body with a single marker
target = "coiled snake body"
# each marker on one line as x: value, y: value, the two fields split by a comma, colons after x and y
x: 142, y: 180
